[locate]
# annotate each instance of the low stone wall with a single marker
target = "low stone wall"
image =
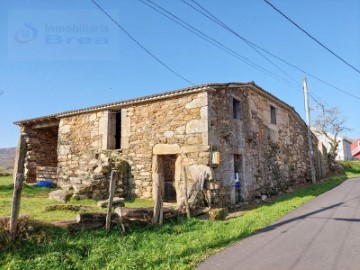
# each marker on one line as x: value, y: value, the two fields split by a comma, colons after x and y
x: 46, y: 172
x: 92, y: 180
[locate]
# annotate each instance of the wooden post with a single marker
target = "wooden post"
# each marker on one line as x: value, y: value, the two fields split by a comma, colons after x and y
x: 158, y: 170
x: 18, y: 184
x: 112, y: 185
x: 184, y: 178
x: 158, y: 205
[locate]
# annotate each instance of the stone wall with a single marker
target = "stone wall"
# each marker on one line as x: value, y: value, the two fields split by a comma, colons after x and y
x: 175, y: 126
x: 42, y: 149
x: 273, y: 156
x: 46, y: 173
x: 84, y: 161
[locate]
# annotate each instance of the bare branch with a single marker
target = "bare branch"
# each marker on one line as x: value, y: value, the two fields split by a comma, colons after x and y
x: 329, y: 122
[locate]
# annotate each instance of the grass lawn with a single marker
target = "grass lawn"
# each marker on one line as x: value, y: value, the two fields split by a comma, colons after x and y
x: 176, y: 245
x: 34, y: 200
x: 352, y: 168
x: 5, y: 180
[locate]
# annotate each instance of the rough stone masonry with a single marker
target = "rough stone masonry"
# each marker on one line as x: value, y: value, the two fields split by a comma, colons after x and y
x: 261, y: 141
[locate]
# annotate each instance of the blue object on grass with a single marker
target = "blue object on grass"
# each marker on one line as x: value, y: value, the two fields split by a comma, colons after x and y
x: 45, y: 183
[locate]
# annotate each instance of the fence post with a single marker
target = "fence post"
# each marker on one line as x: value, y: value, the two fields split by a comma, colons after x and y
x: 187, y: 207
x: 112, y: 185
x: 18, y: 184
x: 158, y: 205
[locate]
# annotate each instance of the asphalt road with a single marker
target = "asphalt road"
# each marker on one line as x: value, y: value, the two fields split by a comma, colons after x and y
x: 322, y: 234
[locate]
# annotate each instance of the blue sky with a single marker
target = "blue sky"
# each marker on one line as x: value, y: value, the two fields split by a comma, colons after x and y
x: 62, y: 55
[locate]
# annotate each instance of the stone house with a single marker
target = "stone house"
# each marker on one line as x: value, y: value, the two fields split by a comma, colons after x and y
x: 236, y: 141
x: 344, y: 148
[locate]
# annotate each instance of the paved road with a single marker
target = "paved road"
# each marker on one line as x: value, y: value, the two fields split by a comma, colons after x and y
x: 322, y: 234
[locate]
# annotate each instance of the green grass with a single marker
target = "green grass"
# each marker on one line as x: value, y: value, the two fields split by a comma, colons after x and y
x: 6, y: 180
x: 34, y: 200
x: 352, y: 168
x: 176, y: 245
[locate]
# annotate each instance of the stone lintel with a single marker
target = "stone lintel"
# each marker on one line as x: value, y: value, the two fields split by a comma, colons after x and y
x: 173, y: 149
x: 166, y: 149
x: 47, y: 124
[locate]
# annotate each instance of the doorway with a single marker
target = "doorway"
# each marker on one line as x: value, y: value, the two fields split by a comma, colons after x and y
x: 166, y: 174
x: 238, y: 172
x: 169, y: 169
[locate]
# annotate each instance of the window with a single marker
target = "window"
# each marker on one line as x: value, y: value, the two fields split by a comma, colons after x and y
x: 236, y: 108
x: 118, y: 130
x: 273, y: 115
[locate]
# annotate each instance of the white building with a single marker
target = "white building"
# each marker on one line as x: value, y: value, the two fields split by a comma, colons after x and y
x: 344, y: 148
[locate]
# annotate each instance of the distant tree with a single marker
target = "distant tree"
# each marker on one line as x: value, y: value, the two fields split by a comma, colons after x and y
x: 330, y: 122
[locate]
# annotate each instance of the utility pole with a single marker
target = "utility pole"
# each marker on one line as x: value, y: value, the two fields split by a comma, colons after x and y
x: 313, y: 177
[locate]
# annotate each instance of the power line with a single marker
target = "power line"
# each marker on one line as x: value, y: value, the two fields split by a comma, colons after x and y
x: 213, y: 18
x: 216, y: 43
x: 219, y: 22
x: 140, y: 45
x: 213, y: 41
x: 307, y: 73
x: 312, y: 37
x: 210, y: 40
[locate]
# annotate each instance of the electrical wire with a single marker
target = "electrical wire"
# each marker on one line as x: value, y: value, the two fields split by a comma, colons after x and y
x: 140, y: 45
x: 197, y: 31
x: 211, y: 17
x: 212, y: 41
x: 312, y: 37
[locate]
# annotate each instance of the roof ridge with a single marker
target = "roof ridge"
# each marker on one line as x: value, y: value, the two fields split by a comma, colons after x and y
x: 155, y: 96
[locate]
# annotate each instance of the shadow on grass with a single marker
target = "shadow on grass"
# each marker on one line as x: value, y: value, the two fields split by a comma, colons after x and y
x: 353, y: 171
x: 6, y: 187
x: 44, y: 243
x: 28, y: 190
x: 351, y: 167
x: 57, y: 240
x: 309, y: 189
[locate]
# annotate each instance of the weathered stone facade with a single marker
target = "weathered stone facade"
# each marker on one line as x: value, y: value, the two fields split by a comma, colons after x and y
x: 272, y: 156
x: 41, y: 149
x: 263, y: 140
x: 84, y: 164
x: 176, y: 126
